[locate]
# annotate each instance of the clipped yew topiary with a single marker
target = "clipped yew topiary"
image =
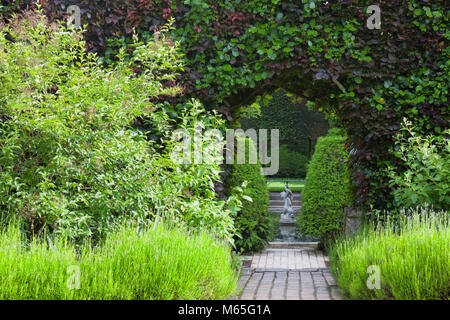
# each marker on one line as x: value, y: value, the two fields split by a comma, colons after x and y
x: 327, y: 189
x: 252, y: 222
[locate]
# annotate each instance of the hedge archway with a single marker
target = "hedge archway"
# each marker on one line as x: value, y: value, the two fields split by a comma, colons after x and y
x: 320, y: 50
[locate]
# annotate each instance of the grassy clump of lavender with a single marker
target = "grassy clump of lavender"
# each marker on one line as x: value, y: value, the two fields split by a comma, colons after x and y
x: 152, y: 263
x: 412, y: 256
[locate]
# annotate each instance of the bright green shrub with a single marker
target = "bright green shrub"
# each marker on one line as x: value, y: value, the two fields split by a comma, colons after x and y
x: 413, y: 260
x: 70, y: 159
x: 150, y: 263
x: 426, y: 180
x: 186, y: 193
x: 252, y: 222
x: 327, y: 189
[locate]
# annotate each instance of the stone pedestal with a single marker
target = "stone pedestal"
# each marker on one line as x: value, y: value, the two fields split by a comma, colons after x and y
x: 286, y: 219
x: 352, y: 219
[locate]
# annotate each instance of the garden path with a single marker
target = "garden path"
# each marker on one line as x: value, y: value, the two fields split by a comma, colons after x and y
x: 287, y: 271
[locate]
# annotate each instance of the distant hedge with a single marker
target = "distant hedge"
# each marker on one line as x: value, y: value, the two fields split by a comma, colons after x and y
x: 292, y: 164
x: 299, y: 126
x: 327, y: 189
x: 253, y: 221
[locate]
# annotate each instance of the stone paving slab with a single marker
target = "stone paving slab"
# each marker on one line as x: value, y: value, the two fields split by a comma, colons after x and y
x: 291, y: 245
x: 300, y: 258
x: 288, y: 274
x: 288, y: 285
x: 287, y: 270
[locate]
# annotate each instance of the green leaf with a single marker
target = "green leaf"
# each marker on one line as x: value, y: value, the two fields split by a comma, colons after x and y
x: 238, y: 189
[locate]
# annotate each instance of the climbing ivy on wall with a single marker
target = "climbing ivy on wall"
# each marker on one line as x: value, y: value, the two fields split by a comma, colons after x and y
x: 320, y: 50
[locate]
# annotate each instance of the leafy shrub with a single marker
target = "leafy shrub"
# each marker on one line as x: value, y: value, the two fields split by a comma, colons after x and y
x: 70, y: 158
x: 252, y: 222
x: 426, y: 180
x: 292, y: 164
x: 151, y: 263
x: 413, y: 260
x: 327, y: 189
x: 186, y: 192
x: 336, y: 132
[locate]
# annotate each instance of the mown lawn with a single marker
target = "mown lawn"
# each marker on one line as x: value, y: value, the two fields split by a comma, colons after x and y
x: 277, y: 185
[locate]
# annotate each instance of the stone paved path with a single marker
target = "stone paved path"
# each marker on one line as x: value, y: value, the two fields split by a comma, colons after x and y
x: 287, y: 270
x: 291, y: 259
x: 288, y: 274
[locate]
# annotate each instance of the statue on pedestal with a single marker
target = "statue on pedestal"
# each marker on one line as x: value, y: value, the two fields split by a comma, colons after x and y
x: 288, y: 197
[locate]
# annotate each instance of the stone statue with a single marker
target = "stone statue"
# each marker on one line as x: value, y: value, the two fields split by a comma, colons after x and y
x: 289, y: 192
x: 288, y: 197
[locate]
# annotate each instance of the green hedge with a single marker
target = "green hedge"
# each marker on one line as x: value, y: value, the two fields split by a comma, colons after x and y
x: 252, y: 222
x: 294, y: 119
x: 327, y: 189
x: 297, y: 124
x: 292, y: 164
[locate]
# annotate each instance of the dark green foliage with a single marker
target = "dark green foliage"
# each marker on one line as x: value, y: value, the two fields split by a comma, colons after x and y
x: 292, y: 164
x: 327, y: 189
x: 253, y: 221
x: 299, y: 126
x: 8, y: 7
x: 299, y: 129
